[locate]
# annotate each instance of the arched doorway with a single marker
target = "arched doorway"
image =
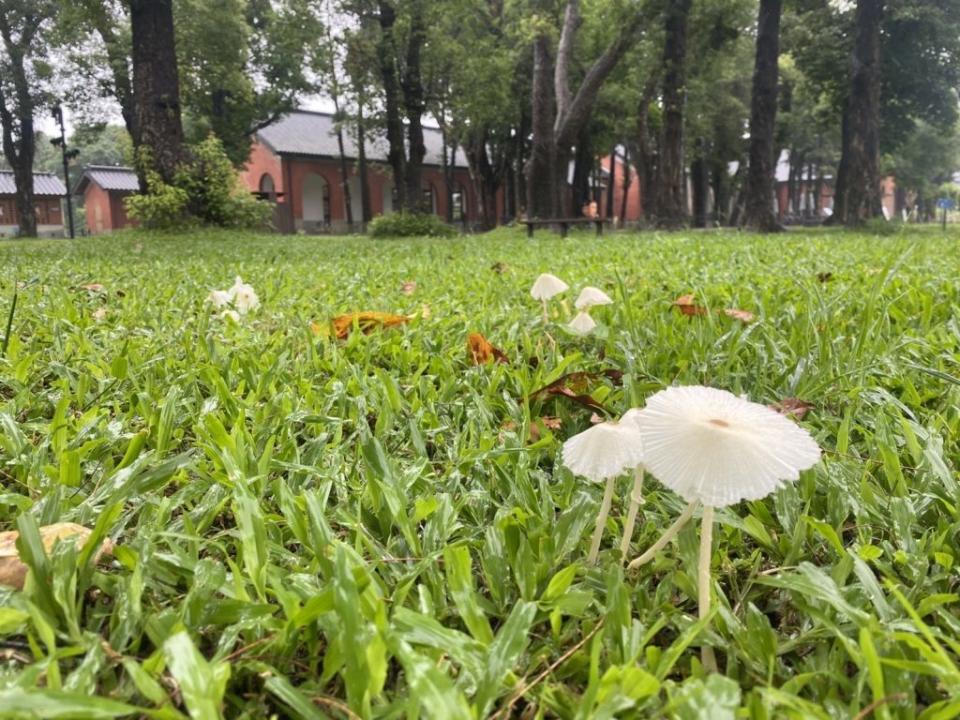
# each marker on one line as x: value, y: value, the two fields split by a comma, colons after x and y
x: 316, y: 201
x: 268, y: 190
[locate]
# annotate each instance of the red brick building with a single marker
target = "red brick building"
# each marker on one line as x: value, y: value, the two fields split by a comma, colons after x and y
x: 296, y: 163
x: 104, y: 189
x: 633, y: 210
x: 48, y: 190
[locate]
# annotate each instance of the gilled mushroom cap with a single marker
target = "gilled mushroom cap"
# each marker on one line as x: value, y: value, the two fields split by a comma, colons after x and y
x: 582, y: 323
x: 590, y: 297
x: 604, y: 451
x: 710, y: 445
x: 546, y: 286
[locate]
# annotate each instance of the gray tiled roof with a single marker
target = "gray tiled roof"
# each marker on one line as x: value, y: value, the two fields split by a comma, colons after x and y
x: 109, y: 177
x: 44, y: 184
x: 313, y: 134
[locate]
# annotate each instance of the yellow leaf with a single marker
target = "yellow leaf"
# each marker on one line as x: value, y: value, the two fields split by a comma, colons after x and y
x: 12, y: 570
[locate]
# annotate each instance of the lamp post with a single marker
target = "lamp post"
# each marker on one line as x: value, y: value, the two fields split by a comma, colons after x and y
x: 68, y: 155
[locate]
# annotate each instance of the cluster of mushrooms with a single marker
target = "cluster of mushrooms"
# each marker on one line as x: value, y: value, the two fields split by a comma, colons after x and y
x: 709, y: 446
x: 547, y: 286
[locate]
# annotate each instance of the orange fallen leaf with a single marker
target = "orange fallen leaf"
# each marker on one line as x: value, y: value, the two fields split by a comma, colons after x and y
x: 688, y: 306
x: 367, y: 321
x: 12, y: 569
x: 409, y: 287
x: 792, y: 406
x: 742, y: 315
x: 481, y: 351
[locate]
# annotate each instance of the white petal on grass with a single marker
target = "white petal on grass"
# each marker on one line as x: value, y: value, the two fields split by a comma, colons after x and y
x: 591, y: 297
x: 582, y: 324
x: 709, y: 445
x: 219, y: 298
x: 244, y: 297
x: 546, y: 286
x: 604, y: 451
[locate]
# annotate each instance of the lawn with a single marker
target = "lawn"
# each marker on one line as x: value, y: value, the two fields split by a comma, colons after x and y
x: 311, y: 527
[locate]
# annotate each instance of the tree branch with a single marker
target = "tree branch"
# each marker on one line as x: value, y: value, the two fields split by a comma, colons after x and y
x: 561, y: 72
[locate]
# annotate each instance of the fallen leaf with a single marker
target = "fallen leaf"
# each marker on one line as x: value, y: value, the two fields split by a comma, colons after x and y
x: 575, y: 386
x: 792, y: 406
x: 499, y: 267
x: 825, y: 276
x: 100, y: 313
x: 482, y: 352
x: 425, y: 312
x: 548, y: 422
x: 688, y: 306
x: 12, y: 569
x: 367, y: 322
x: 742, y: 315
x: 93, y: 287
x: 409, y: 287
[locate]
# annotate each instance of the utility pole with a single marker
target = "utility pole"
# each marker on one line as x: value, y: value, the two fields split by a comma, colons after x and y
x: 68, y: 155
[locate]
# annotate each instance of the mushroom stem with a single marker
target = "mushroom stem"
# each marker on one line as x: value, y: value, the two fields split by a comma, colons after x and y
x: 707, y: 657
x: 601, y: 520
x: 546, y: 318
x: 636, y: 499
x: 667, y: 536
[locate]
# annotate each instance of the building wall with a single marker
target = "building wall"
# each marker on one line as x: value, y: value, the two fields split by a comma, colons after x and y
x: 634, y: 211
x: 49, y: 215
x: 96, y: 202
x: 320, y: 178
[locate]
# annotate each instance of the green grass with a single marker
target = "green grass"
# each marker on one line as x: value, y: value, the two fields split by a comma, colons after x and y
x: 314, y: 528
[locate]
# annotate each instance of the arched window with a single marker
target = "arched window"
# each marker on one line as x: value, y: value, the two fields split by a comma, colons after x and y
x: 459, y: 201
x: 268, y: 190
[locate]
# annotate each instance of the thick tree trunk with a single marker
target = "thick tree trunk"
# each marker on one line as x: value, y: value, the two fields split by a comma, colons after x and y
x: 415, y: 105
x: 858, y: 178
x: 627, y: 180
x: 486, y: 179
x: 700, y: 185
x: 645, y: 156
x: 759, y: 213
x: 670, y: 210
x: 542, y: 193
x: 344, y: 168
x: 156, y: 85
x: 18, y: 33
x: 392, y: 99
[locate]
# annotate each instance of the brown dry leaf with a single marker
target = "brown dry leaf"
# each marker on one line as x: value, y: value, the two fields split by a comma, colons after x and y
x: 825, y: 276
x: 575, y: 386
x: 549, y: 422
x: 13, y: 571
x: 481, y: 351
x: 793, y: 406
x: 499, y: 267
x: 409, y: 287
x: 100, y: 314
x: 742, y: 315
x: 688, y: 306
x: 367, y: 321
x: 93, y: 287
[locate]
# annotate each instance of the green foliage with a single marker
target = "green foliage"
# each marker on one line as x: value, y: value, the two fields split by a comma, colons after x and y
x: 401, y: 225
x: 303, y: 524
x: 205, y: 191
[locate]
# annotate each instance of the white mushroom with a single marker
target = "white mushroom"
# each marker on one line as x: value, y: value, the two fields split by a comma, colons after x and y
x: 582, y: 324
x: 545, y: 287
x: 591, y: 297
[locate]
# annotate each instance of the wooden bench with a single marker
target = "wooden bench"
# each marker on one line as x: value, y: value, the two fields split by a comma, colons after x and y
x: 564, y: 224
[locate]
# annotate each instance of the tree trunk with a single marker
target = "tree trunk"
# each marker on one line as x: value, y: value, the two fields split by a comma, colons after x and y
x: 670, y: 205
x: 759, y: 213
x: 858, y: 178
x: 344, y: 169
x: 645, y: 155
x: 583, y: 160
x: 415, y: 105
x: 486, y: 178
x: 18, y: 31
x: 700, y: 183
x: 156, y: 85
x: 627, y: 179
x: 542, y: 193
x: 393, y: 119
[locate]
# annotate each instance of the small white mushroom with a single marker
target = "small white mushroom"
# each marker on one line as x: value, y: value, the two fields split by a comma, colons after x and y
x: 603, y: 453
x: 545, y: 287
x: 582, y: 323
x: 591, y: 297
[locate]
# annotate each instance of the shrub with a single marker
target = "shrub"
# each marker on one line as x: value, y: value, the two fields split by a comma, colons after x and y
x: 205, y: 191
x: 404, y: 224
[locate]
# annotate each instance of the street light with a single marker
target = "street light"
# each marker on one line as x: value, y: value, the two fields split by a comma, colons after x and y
x: 68, y: 155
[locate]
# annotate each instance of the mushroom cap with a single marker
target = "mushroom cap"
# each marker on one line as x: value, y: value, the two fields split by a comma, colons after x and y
x: 582, y: 323
x: 590, y: 297
x: 546, y: 286
x: 710, y: 445
x: 604, y: 451
x: 219, y: 298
